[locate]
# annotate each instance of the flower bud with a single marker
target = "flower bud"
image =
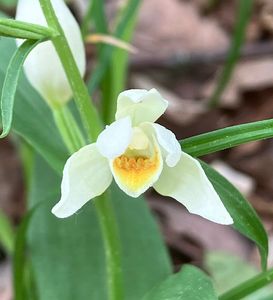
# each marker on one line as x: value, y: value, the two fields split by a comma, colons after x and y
x: 43, y: 67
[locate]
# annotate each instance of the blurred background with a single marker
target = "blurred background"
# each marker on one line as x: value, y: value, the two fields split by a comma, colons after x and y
x: 180, y: 48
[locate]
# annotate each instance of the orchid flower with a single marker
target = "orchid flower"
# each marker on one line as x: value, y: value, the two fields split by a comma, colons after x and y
x: 43, y: 67
x: 138, y: 154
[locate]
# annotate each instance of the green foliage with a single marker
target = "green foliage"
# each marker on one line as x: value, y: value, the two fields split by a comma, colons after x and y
x: 244, y: 216
x: 228, y: 271
x: 20, y: 267
x: 24, y: 30
x: 6, y: 234
x: 243, y: 16
x: 39, y: 129
x: 8, y: 3
x: 68, y: 255
x: 107, y: 51
x: 190, y: 283
x: 228, y: 137
x: 11, y: 81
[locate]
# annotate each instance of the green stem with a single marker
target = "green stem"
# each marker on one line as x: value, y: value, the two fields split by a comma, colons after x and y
x: 112, y: 246
x: 228, y: 137
x: 89, y: 114
x: 93, y: 126
x: 248, y: 287
x: 68, y: 128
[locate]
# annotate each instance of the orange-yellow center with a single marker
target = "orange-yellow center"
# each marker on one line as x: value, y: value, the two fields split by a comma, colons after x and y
x: 136, y: 172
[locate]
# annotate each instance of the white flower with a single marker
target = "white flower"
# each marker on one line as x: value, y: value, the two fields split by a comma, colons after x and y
x: 139, y: 154
x: 43, y: 67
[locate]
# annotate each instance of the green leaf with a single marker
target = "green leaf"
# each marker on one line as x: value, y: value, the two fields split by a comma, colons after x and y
x: 189, y: 284
x: 32, y: 117
x: 244, y: 13
x: 6, y: 234
x: 228, y: 137
x: 24, y: 30
x: 244, y: 216
x: 19, y: 257
x: 228, y: 271
x: 68, y: 255
x: 11, y: 81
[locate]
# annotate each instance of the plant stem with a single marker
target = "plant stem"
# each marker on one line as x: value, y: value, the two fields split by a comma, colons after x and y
x: 248, y: 287
x: 68, y: 128
x: 89, y: 114
x: 93, y: 126
x: 112, y: 245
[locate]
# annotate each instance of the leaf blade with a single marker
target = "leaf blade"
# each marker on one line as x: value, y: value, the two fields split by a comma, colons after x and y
x: 228, y: 137
x: 244, y: 216
x: 190, y: 283
x: 11, y: 81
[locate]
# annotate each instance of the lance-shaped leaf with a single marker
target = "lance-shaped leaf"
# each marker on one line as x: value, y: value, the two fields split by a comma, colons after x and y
x: 244, y: 216
x: 11, y: 81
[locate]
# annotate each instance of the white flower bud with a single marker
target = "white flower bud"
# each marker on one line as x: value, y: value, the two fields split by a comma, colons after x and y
x: 43, y: 67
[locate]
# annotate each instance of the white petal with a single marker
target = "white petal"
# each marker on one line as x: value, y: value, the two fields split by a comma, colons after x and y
x: 188, y: 184
x: 43, y: 67
x: 86, y: 175
x: 141, y: 105
x: 115, y: 138
x: 167, y: 141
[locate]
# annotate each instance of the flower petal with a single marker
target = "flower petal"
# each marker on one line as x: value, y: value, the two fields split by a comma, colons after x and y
x: 135, y: 174
x: 188, y: 184
x: 141, y: 105
x: 167, y: 140
x: 115, y: 138
x: 86, y: 175
x: 42, y: 66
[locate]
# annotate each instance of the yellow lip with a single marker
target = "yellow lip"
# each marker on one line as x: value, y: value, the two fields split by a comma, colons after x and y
x: 134, y: 173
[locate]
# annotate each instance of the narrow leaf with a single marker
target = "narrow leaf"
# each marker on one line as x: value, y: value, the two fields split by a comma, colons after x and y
x: 129, y: 13
x: 244, y: 13
x: 24, y: 30
x: 11, y: 81
x: 244, y: 216
x: 227, y: 137
x: 118, y: 68
x: 30, y: 107
x: 190, y: 283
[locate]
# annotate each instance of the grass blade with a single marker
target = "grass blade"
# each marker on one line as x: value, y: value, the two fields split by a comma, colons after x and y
x: 244, y: 13
x: 107, y: 51
x: 119, y: 68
